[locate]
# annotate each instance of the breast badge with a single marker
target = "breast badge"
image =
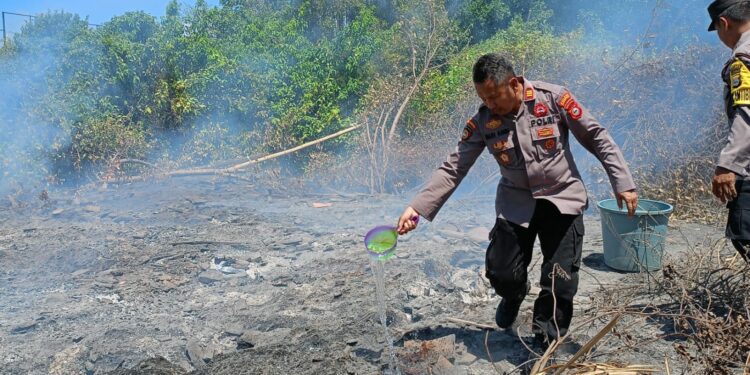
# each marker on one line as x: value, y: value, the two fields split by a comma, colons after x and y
x: 494, y: 124
x: 540, y: 110
x: 550, y: 144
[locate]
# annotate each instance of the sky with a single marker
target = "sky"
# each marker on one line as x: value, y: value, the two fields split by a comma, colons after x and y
x: 97, y: 11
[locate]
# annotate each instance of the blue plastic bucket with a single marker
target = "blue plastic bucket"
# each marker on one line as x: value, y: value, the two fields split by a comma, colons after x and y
x: 634, y: 244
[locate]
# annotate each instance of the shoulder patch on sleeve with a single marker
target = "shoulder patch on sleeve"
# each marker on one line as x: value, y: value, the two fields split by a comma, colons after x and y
x: 568, y: 102
x: 469, y: 129
x: 739, y: 83
x: 467, y: 133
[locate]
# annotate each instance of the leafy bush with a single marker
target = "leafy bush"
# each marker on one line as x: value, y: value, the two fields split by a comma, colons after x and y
x: 99, y: 144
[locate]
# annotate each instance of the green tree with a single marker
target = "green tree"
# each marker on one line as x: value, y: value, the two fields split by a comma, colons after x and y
x: 481, y: 18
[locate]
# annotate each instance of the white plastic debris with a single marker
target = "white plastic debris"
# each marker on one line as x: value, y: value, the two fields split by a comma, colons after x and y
x: 109, y: 298
x: 224, y: 265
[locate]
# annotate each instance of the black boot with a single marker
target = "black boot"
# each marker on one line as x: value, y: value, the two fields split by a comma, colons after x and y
x: 507, y: 310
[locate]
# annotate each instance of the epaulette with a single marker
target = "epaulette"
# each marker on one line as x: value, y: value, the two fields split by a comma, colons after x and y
x: 548, y: 87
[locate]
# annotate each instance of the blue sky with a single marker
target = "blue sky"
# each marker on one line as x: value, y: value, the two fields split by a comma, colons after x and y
x: 98, y: 11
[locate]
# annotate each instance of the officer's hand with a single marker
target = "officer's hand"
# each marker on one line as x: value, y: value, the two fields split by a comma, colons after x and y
x: 723, y: 185
x: 407, y: 222
x: 631, y: 200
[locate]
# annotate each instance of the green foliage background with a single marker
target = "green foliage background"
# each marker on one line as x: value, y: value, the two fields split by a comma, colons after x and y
x: 264, y: 75
x: 205, y: 84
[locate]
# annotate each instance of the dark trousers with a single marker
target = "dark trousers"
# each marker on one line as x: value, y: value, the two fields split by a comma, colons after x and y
x: 509, y: 255
x: 738, y: 221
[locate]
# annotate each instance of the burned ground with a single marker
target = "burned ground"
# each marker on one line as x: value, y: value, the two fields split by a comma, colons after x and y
x: 220, y: 277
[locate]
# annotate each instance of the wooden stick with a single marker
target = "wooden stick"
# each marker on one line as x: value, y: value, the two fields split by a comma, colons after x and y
x: 542, y: 362
x: 207, y: 243
x: 291, y: 150
x: 474, y: 324
x: 666, y: 365
x: 590, y: 345
x: 235, y: 168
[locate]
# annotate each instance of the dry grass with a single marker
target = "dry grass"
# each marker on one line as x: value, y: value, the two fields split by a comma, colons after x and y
x: 700, y: 303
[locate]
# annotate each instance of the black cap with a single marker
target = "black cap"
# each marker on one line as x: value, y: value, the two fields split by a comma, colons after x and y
x: 717, y: 8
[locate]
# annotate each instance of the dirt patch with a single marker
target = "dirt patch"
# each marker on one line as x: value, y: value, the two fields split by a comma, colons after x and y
x: 218, y: 277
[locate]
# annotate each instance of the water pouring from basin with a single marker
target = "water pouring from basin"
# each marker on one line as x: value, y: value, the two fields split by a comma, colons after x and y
x: 380, y: 243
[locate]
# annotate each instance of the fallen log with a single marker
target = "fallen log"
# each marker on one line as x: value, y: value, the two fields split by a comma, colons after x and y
x: 229, y: 171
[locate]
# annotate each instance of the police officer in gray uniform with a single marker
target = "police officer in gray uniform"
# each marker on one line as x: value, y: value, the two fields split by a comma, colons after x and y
x: 526, y: 126
x: 731, y: 182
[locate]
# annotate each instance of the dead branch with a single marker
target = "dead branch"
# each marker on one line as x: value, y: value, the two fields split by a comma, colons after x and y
x: 469, y: 323
x: 666, y: 366
x: 229, y: 172
x: 437, y: 38
x: 542, y: 362
x: 239, y: 167
x: 590, y: 344
x: 207, y: 243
